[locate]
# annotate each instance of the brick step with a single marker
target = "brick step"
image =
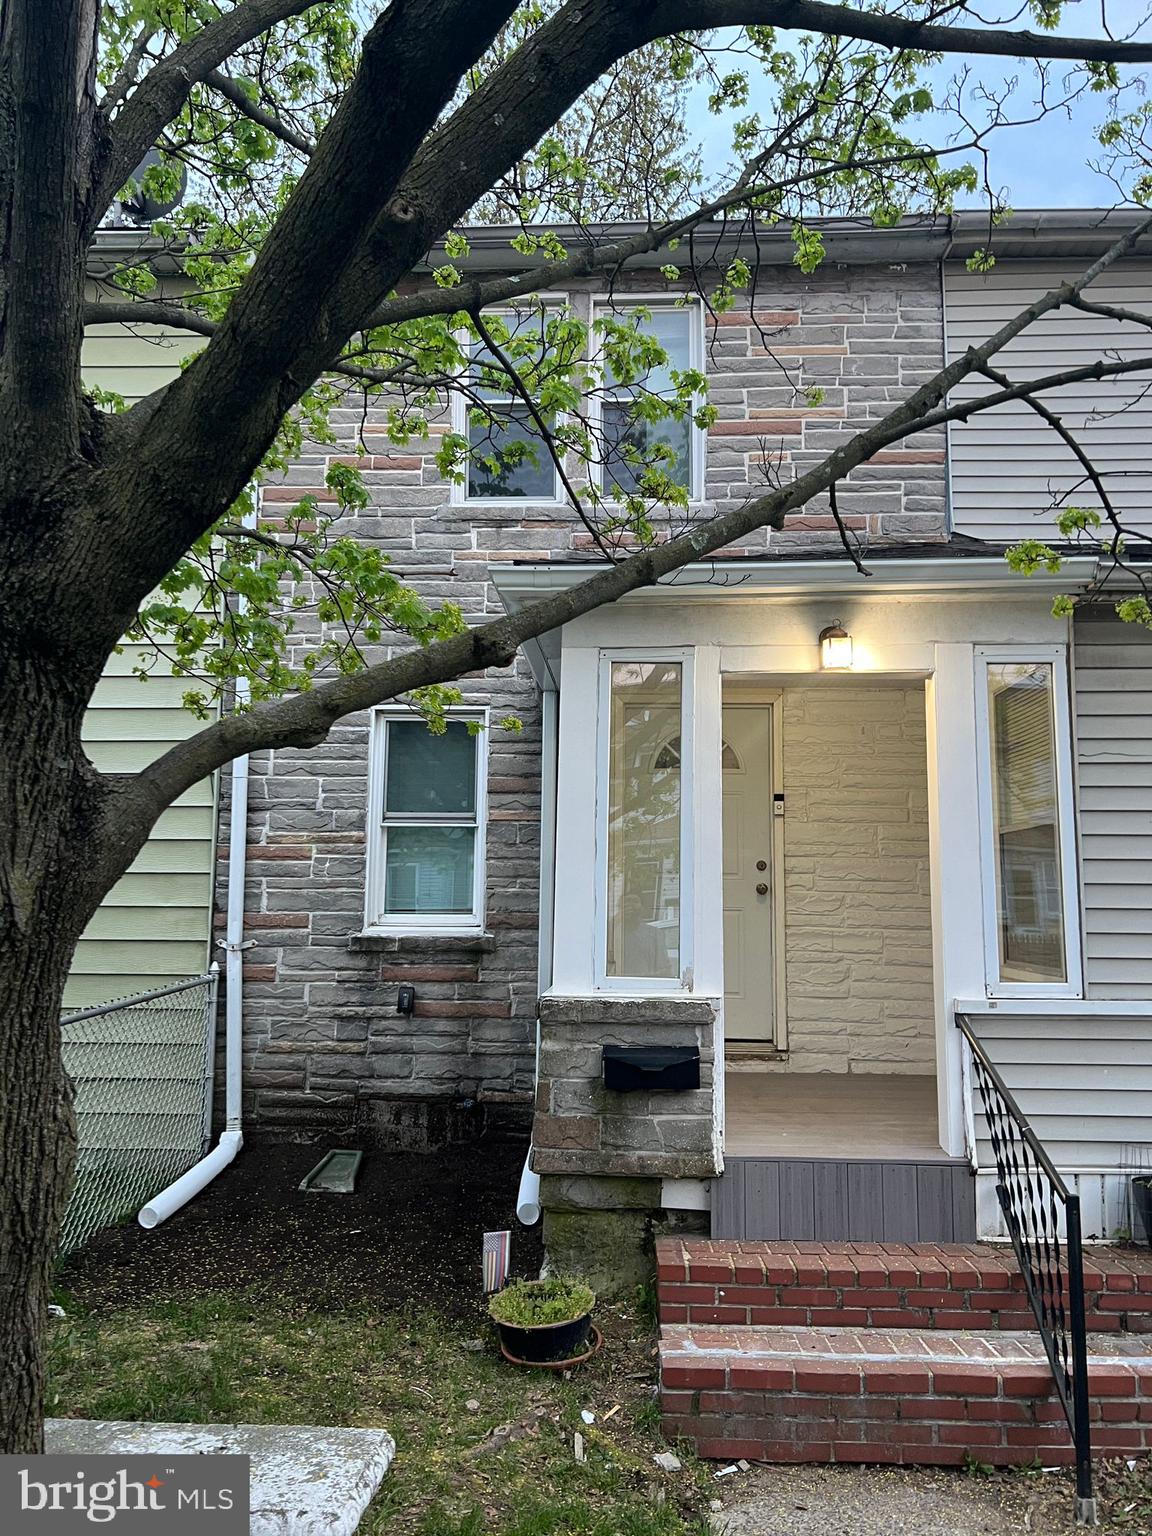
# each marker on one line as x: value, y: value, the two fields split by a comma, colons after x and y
x: 904, y: 1396
x: 890, y: 1285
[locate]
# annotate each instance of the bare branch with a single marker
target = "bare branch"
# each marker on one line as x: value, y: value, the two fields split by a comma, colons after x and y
x: 850, y: 548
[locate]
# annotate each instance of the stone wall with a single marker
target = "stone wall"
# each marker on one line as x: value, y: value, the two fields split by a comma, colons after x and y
x: 582, y: 1127
x: 324, y: 1046
x: 858, y: 913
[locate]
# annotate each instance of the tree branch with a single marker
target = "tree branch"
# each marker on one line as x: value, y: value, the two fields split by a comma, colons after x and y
x: 161, y: 94
x: 232, y: 91
x: 305, y: 719
x: 47, y: 74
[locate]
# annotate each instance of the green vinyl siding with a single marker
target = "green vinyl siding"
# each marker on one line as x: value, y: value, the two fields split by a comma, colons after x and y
x: 154, y: 927
x: 133, y: 363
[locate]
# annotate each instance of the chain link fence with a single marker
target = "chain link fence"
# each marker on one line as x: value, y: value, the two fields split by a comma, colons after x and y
x: 141, y: 1069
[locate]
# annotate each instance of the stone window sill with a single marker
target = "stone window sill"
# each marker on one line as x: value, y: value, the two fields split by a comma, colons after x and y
x: 390, y: 943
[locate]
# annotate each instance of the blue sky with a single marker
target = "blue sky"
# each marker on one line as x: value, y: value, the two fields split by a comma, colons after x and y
x: 1042, y: 165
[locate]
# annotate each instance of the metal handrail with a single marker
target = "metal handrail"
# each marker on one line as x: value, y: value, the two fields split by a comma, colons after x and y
x: 1030, y: 1190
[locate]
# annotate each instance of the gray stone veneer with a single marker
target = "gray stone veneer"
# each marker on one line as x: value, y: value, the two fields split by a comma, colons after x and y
x: 324, y: 1047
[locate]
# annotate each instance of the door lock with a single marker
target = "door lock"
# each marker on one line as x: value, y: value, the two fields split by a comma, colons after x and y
x: 761, y: 889
x: 761, y: 864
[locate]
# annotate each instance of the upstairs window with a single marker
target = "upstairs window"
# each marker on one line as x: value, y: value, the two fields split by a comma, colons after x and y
x: 509, y: 459
x: 629, y: 441
x: 1030, y: 882
x: 427, y: 855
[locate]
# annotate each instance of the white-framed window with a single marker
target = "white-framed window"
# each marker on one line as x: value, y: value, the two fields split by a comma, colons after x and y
x: 426, y: 822
x: 644, y: 846
x: 491, y: 475
x: 1031, y: 905
x: 626, y: 439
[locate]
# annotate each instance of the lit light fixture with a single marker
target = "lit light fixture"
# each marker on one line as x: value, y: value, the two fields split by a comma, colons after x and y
x: 835, y: 648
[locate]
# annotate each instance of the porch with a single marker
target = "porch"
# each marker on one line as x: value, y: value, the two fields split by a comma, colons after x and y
x: 774, y: 865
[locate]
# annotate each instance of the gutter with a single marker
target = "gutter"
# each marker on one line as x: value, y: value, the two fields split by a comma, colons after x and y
x: 528, y: 1195
x: 201, y: 1174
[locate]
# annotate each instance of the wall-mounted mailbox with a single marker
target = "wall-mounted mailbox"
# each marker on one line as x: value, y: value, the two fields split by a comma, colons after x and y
x: 651, y: 1068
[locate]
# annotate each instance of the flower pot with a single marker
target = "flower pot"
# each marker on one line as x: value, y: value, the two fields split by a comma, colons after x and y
x: 1142, y: 1200
x: 543, y: 1343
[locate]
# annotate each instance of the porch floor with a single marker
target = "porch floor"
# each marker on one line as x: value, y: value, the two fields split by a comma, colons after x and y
x: 831, y: 1115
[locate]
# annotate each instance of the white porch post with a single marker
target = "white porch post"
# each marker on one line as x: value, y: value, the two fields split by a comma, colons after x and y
x: 575, y: 914
x: 954, y: 857
x: 708, y: 860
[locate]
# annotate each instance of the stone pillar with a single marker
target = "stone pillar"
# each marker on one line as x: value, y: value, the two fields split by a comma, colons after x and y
x: 601, y: 1155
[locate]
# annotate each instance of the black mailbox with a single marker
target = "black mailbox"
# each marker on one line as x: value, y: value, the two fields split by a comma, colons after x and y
x: 651, y: 1068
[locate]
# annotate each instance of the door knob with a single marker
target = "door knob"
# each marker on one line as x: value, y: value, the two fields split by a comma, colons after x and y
x: 761, y: 889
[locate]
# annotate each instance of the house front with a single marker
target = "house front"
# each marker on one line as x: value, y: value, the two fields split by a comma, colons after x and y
x: 705, y: 924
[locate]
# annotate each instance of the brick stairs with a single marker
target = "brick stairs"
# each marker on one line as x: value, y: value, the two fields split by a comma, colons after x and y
x: 895, y: 1353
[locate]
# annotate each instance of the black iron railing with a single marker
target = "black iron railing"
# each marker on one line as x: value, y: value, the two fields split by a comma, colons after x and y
x: 1043, y: 1220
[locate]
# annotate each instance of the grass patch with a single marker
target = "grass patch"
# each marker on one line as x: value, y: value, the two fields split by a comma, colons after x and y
x: 483, y: 1448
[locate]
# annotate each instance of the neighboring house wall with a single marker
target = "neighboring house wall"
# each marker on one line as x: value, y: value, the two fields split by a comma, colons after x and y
x: 1007, y: 465
x: 857, y: 895
x: 153, y: 928
x: 1113, y: 722
x: 1085, y: 1085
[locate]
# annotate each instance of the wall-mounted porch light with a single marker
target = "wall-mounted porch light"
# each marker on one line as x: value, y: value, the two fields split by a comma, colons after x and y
x: 835, y: 649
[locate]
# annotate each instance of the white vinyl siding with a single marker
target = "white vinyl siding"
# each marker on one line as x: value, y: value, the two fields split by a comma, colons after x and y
x: 1085, y: 1086
x: 1007, y: 464
x: 1113, y: 708
x: 154, y: 926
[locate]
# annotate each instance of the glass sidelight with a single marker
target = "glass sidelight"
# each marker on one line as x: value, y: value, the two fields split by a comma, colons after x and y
x: 1031, y: 922
x: 1026, y: 822
x: 645, y: 803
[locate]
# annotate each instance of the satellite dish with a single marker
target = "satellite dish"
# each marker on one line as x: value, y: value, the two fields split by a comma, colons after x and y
x: 146, y: 209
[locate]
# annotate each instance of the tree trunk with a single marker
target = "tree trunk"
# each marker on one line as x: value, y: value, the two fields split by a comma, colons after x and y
x: 49, y: 810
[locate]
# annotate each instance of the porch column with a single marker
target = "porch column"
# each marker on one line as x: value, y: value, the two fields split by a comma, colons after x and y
x: 954, y: 846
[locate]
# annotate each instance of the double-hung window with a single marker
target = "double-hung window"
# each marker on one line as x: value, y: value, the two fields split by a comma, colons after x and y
x: 1030, y: 908
x: 630, y: 440
x: 508, y: 458
x: 426, y: 824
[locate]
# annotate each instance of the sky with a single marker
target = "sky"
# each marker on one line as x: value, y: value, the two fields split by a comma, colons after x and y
x: 1042, y: 165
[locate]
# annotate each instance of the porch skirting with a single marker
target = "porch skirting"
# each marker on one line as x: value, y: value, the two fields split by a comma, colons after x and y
x: 841, y: 1199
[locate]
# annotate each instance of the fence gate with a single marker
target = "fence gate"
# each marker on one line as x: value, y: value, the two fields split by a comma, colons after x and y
x: 141, y: 1070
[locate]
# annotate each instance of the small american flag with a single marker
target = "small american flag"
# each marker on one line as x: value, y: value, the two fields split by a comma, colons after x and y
x: 496, y: 1245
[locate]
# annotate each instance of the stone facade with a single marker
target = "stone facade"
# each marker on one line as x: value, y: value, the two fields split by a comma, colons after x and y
x: 581, y: 1127
x: 325, y: 1048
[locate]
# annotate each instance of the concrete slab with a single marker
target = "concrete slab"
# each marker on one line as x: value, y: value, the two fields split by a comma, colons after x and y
x: 306, y: 1480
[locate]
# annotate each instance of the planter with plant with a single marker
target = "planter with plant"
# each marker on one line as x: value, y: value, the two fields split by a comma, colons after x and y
x: 544, y: 1322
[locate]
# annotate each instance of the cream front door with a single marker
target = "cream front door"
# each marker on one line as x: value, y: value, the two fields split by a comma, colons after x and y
x: 748, y: 894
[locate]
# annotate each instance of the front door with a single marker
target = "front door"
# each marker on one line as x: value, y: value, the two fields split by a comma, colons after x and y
x: 749, y: 1012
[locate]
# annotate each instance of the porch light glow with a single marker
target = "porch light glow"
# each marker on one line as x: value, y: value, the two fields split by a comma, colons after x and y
x: 835, y: 649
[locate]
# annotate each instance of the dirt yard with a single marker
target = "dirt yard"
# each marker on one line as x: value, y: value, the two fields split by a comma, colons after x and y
x: 259, y: 1304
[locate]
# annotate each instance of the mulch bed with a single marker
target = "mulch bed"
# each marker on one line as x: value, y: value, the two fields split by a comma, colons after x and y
x: 411, y: 1233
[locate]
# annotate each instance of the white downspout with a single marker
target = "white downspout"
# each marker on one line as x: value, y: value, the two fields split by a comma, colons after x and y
x: 528, y: 1195
x: 231, y: 1140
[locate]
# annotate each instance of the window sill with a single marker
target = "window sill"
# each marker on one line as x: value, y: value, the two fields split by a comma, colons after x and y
x: 470, y: 940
